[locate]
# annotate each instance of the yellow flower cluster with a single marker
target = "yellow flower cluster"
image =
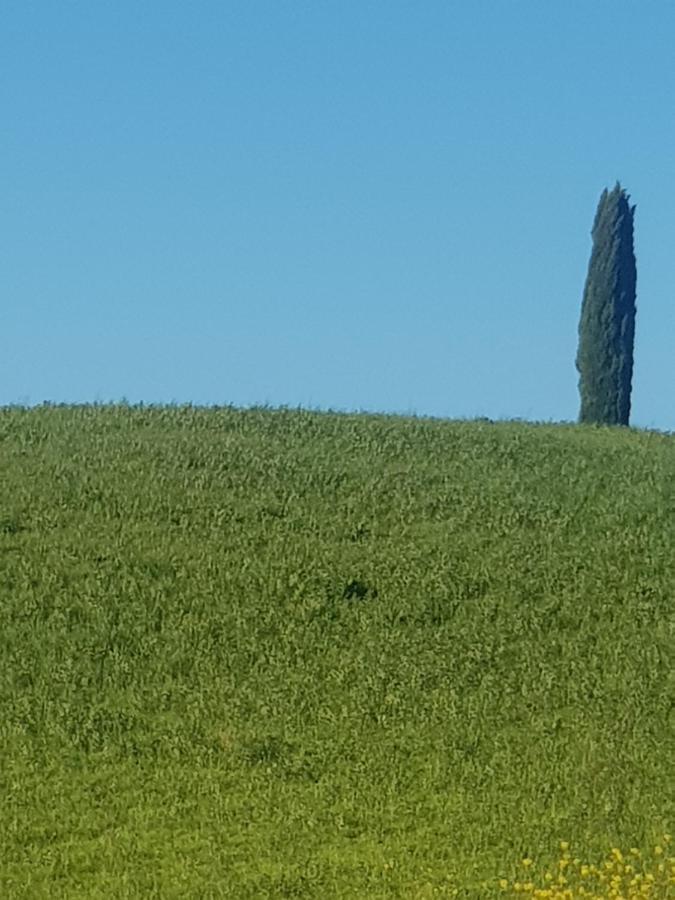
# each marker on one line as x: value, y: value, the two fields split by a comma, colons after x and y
x: 622, y: 876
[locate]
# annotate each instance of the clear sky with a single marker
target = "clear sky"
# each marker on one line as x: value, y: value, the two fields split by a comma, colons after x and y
x: 340, y: 204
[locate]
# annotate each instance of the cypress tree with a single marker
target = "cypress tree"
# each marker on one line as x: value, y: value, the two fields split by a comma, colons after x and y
x: 607, y: 325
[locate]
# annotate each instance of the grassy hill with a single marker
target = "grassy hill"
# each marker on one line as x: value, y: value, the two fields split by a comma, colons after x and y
x: 266, y: 653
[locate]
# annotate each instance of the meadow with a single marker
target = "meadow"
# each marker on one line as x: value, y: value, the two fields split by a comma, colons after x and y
x: 281, y: 653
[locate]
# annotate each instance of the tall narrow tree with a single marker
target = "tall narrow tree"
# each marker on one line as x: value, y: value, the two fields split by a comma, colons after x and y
x: 607, y: 324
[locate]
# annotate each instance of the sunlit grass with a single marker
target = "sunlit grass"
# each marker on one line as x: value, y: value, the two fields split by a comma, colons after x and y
x: 256, y: 653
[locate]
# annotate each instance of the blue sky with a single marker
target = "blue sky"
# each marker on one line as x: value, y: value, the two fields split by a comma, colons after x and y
x: 339, y: 204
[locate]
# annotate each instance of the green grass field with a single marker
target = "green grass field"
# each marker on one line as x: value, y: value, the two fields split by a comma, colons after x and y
x: 266, y: 653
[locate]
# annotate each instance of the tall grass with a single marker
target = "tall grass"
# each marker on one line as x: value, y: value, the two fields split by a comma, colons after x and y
x: 255, y: 653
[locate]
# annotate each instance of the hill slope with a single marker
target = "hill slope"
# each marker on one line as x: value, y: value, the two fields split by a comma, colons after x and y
x: 281, y: 653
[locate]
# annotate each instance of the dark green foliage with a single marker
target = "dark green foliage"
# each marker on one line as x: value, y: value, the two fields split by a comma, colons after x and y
x: 607, y: 325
